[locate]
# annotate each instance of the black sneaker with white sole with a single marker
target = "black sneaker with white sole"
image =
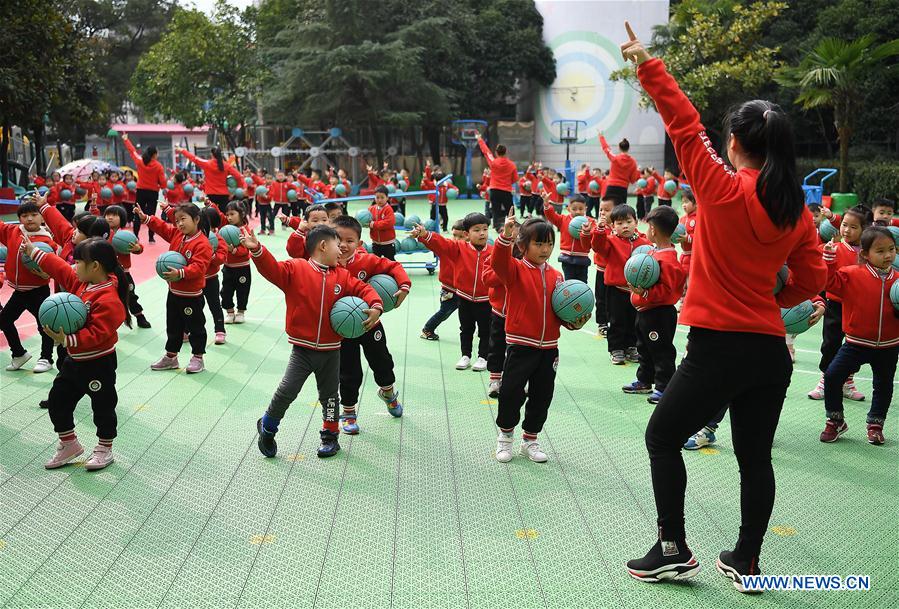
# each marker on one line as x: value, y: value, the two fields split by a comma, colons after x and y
x: 665, y: 560
x: 732, y: 566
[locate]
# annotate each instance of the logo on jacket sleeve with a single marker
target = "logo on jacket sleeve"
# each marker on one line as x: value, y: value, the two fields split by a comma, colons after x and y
x: 362, y: 275
x: 188, y: 254
x: 337, y: 288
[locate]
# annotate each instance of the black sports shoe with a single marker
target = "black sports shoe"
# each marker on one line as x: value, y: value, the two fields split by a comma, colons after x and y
x: 142, y: 322
x: 329, y: 446
x: 44, y: 404
x: 665, y: 560
x: 425, y: 334
x: 730, y: 565
x: 267, y: 445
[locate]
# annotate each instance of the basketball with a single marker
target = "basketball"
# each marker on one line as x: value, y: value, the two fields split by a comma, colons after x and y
x: 411, y: 221
x: 593, y: 186
x: 431, y: 225
x: 3, y: 253
x: 670, y: 187
x: 364, y: 217
x: 80, y: 191
x: 781, y: 278
x: 122, y: 240
x: 894, y: 294
x: 340, y: 189
x: 367, y: 247
x: 231, y: 182
x: 347, y: 316
x: 679, y: 233
x: 641, y: 183
x: 31, y: 264
x: 63, y: 310
x: 399, y: 219
x: 397, y: 246
x: 169, y: 261
x: 562, y: 188
x: 239, y: 193
x: 65, y: 194
x: 402, y: 185
x: 261, y: 191
x: 576, y: 224
x: 391, y: 188
x: 131, y: 185
x: 796, y: 318
x: 642, y: 271
x: 894, y: 230
x: 409, y: 245
x: 291, y: 195
x: 213, y: 242
x: 452, y: 193
x: 119, y: 190
x: 642, y: 249
x: 827, y: 230
x: 572, y: 299
x: 386, y: 287
x: 106, y: 193
x: 231, y: 235
x: 42, y: 190
x: 527, y: 186
x: 188, y: 189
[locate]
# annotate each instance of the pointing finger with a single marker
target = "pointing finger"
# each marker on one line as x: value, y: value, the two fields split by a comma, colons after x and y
x: 630, y: 32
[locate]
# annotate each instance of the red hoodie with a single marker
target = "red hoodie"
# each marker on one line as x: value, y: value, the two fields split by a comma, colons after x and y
x: 670, y: 286
x: 739, y: 250
x: 568, y: 244
x: 468, y: 264
x: 278, y: 191
x: 215, y: 180
x: 150, y: 176
x: 383, y: 223
x: 623, y: 170
x: 583, y: 180
x: 195, y: 249
x: 869, y: 319
x: 503, y: 172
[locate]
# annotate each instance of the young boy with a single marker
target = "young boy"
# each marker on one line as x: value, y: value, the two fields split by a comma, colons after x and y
x: 885, y: 211
x: 616, y: 244
x: 574, y: 256
x: 374, y: 342
x: 656, y: 315
x: 316, y: 215
x: 688, y: 203
x: 468, y: 259
x: 496, y: 358
x: 601, y: 290
x: 311, y: 288
x: 382, y: 227
x: 449, y: 302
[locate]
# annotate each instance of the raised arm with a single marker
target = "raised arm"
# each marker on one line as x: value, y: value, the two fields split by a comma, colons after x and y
x: 605, y: 147
x: 57, y: 268
x: 485, y: 150
x: 278, y: 273
x: 163, y: 229
x: 60, y: 227
x: 133, y: 152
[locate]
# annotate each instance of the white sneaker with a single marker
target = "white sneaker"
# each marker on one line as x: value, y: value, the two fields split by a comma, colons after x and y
x: 239, y: 317
x: 480, y: 365
x: 504, y: 447
x: 463, y: 363
x: 818, y: 392
x: 493, y: 388
x: 531, y: 450
x: 100, y: 458
x: 18, y: 362
x: 42, y: 365
x: 229, y: 317
x: 65, y: 452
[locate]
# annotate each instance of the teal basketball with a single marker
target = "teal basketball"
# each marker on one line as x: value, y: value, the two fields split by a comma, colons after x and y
x: 131, y: 185
x: 894, y: 293
x: 391, y: 188
x: 399, y: 220
x: 452, y: 193
x: 367, y: 247
x: 63, y: 310
x: 231, y: 235
x: 670, y: 187
x: 642, y: 249
x: 364, y: 217
x: 431, y: 225
x: 340, y: 189
x: 122, y: 240
x: 527, y: 186
x: 347, y: 316
x: 65, y: 194
x: 4, y: 252
x: 409, y: 245
x: 827, y: 230
x: 796, y: 318
x: 188, y: 189
x: 169, y: 261
x: 119, y: 190
x: 291, y: 195
x: 231, y: 182
x: 572, y: 299
x: 576, y: 224
x: 411, y: 221
x: 31, y: 264
x: 562, y: 188
x: 781, y: 279
x: 894, y: 230
x: 402, y: 185
x: 679, y: 233
x: 641, y: 183
x: 80, y: 191
x: 213, y: 242
x: 397, y: 246
x: 249, y: 182
x: 386, y: 287
x: 642, y: 271
x: 261, y: 191
x: 170, y: 185
x: 239, y: 193
x: 593, y: 186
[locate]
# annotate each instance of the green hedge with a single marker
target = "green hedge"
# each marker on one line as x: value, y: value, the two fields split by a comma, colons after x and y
x: 868, y: 179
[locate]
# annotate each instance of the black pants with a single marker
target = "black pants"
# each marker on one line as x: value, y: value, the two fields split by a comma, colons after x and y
x: 593, y: 206
x: 576, y: 271
x: 500, y: 204
x: 497, y: 354
x: 535, y: 368
x: 848, y: 360
x: 266, y: 213
x: 449, y: 302
x: 444, y: 217
x: 710, y: 377
x: 18, y: 303
x: 831, y: 333
x: 211, y: 295
x: 601, y: 293
x: 399, y: 206
x: 664, y: 201
x: 297, y: 208
x: 236, y: 279
x: 133, y: 305
x: 471, y: 313
x: 67, y: 210
x: 325, y: 365
x: 622, y: 320
x: 618, y: 193
x: 644, y: 204
x: 220, y: 201
x: 185, y: 314
x: 95, y: 378
x: 384, y: 251
x: 147, y: 200
x: 374, y: 346
x: 526, y: 203
x: 655, y: 344
x: 133, y: 218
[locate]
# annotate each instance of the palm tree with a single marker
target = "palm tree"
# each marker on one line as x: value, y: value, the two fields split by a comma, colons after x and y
x: 833, y: 75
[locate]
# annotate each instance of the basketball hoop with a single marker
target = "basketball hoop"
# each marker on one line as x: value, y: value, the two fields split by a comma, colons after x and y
x: 568, y: 135
x: 465, y: 133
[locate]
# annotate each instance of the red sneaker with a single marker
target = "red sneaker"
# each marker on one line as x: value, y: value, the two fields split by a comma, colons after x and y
x: 875, y: 434
x: 833, y: 430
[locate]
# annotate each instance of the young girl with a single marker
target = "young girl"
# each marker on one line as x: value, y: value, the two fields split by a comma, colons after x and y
x: 236, y: 276
x: 532, y: 333
x: 622, y: 172
x: 184, y: 305
x: 90, y: 368
x: 117, y: 217
x: 871, y: 325
x: 211, y: 289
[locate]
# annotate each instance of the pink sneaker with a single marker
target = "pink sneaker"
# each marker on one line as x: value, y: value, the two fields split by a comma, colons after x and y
x: 65, y: 452
x: 195, y: 365
x: 850, y: 392
x: 166, y: 363
x: 100, y: 458
x: 818, y: 392
x: 219, y: 338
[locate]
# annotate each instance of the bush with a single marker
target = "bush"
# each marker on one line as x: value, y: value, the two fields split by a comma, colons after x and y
x: 868, y: 179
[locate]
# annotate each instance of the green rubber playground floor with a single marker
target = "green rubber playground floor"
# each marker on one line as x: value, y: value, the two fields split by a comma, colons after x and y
x: 413, y: 512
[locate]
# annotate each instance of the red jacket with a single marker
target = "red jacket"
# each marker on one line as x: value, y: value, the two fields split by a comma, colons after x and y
x: 176, y: 195
x: 278, y: 191
x: 869, y: 319
x: 583, y: 180
x: 496, y: 289
x: 649, y: 190
x: 535, y: 181
x: 530, y: 319
x: 568, y: 244
x: 311, y: 291
x: 503, y: 172
x: 150, y: 176
x: 18, y: 275
x: 364, y: 266
x: 383, y: 221
x: 218, y: 258
x: 616, y: 251
x: 670, y: 286
x: 118, y: 199
x: 660, y: 191
x: 446, y: 273
x: 296, y: 243
x: 739, y: 250
x: 105, y: 312
x: 623, y: 170
x: 686, y: 244
x: 846, y: 255
x: 552, y: 188
x: 468, y: 264
x: 196, y: 249
x: 215, y: 180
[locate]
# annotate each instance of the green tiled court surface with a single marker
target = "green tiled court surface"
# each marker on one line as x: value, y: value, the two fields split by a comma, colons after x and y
x: 413, y: 512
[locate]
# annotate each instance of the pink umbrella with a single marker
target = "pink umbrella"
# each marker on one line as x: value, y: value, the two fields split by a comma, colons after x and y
x: 82, y: 168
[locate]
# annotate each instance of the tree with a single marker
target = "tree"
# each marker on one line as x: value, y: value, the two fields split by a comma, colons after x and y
x: 833, y: 76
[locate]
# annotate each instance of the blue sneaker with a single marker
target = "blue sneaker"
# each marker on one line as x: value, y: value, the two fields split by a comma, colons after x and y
x: 393, y: 403
x: 703, y: 437
x: 267, y: 445
x: 655, y: 397
x: 637, y: 387
x: 329, y: 446
x: 349, y: 426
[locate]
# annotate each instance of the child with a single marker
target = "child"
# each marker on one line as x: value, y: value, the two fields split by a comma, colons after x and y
x: 496, y: 357
x: 574, y: 256
x: 311, y: 287
x: 211, y: 289
x: 645, y: 194
x: 334, y: 211
x: 296, y: 243
x: 688, y: 203
x: 884, y: 210
x: 364, y: 266
x: 871, y: 326
x: 656, y: 315
x: 594, y: 194
x: 449, y: 302
x: 277, y: 193
x: 429, y: 182
x: 30, y: 288
x: 184, y: 305
x: 236, y: 276
x: 663, y: 195
x: 117, y: 217
x: 532, y: 331
x: 853, y: 222
x: 616, y: 245
x: 382, y: 227
x: 264, y: 208
x: 601, y: 290
x: 468, y: 259
x: 90, y: 367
